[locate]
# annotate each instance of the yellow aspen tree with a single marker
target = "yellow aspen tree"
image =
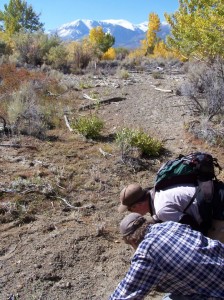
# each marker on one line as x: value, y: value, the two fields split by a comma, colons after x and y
x: 110, y: 54
x: 139, y: 52
x: 100, y: 40
x: 6, y: 43
x: 96, y: 35
x: 153, y: 29
x: 160, y: 50
x: 197, y: 28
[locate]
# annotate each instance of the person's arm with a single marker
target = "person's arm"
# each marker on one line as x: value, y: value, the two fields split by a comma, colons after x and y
x: 171, y: 213
x: 142, y: 277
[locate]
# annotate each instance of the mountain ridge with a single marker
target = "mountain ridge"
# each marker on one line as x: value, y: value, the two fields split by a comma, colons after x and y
x: 126, y: 33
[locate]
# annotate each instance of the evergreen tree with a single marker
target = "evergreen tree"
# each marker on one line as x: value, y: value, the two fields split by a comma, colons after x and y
x: 19, y: 15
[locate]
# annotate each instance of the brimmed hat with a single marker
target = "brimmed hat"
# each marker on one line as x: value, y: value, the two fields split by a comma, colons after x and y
x: 130, y: 195
x: 130, y: 223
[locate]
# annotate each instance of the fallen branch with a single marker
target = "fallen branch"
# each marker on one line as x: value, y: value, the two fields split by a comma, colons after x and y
x: 72, y: 206
x: 18, y: 146
x: 10, y: 253
x: 7, y: 191
x: 66, y: 202
x: 106, y: 101
x: 67, y: 123
x: 10, y: 145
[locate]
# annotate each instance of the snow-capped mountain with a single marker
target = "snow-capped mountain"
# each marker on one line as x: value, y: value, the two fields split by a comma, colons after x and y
x: 126, y: 34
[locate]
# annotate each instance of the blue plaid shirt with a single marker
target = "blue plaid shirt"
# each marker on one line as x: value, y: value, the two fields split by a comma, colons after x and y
x: 173, y: 258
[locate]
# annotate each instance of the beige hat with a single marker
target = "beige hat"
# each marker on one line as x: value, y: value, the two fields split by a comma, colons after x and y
x: 130, y: 195
x: 130, y: 223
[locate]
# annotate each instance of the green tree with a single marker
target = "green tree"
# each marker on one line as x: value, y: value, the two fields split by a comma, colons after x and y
x: 19, y: 15
x: 197, y: 28
x: 100, y: 40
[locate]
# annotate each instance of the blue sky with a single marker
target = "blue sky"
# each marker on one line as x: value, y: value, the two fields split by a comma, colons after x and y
x: 55, y: 13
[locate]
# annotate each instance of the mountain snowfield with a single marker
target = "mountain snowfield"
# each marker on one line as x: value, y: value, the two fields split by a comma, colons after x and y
x: 126, y: 33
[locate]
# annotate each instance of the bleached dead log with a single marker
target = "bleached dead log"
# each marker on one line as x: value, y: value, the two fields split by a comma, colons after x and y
x: 165, y: 91
x: 67, y: 123
x: 162, y: 90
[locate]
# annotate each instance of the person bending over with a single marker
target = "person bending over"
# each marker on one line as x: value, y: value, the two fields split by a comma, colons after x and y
x: 171, y: 204
x: 173, y: 258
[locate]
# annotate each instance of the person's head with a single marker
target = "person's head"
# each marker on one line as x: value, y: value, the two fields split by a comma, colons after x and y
x: 133, y: 228
x: 134, y: 199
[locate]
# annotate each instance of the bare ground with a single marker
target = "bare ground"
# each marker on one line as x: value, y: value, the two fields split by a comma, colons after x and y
x: 59, y: 197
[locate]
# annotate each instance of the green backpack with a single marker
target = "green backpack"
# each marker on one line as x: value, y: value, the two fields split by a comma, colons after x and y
x: 199, y: 169
x: 191, y: 168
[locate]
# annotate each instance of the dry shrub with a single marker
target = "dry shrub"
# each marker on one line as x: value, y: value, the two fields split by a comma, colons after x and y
x: 24, y: 112
x: 29, y: 99
x: 204, y: 87
x: 123, y: 74
x: 12, y: 77
x: 79, y: 56
x: 212, y: 133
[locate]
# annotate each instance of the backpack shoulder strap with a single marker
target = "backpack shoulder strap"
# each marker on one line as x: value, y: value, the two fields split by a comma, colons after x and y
x: 192, y: 200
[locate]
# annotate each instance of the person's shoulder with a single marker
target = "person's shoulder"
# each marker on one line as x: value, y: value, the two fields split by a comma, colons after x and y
x: 157, y: 227
x: 157, y: 234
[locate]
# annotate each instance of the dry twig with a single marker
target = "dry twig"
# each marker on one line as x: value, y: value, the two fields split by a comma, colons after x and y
x: 67, y: 123
x: 105, y: 154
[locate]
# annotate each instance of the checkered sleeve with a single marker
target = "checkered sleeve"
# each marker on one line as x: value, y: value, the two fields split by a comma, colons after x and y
x: 141, y: 278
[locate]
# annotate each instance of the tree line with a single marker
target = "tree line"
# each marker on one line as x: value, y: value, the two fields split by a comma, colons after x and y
x: 196, y: 31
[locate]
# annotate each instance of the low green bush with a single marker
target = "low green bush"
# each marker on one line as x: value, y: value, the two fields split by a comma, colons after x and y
x: 132, y: 138
x: 88, y: 126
